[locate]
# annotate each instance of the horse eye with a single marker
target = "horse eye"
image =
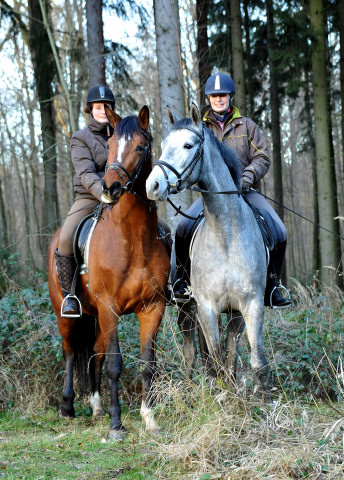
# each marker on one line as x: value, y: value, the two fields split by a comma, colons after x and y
x: 187, y: 145
x: 140, y: 148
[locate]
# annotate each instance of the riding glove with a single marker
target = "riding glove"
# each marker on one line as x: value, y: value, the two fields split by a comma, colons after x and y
x: 247, y: 179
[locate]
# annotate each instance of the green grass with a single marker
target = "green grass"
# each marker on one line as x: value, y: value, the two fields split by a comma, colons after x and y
x: 46, y: 447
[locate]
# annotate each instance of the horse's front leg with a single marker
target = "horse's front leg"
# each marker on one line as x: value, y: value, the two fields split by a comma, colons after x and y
x: 235, y: 327
x: 150, y: 320
x: 187, y: 320
x: 208, y: 317
x: 254, y: 316
x: 108, y: 321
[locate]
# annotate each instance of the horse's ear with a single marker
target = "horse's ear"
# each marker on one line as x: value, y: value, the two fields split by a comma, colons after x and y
x: 112, y: 116
x: 143, y: 117
x: 171, y: 116
x: 195, y: 115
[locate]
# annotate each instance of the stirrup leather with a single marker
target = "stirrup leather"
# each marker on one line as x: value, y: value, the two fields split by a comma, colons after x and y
x: 280, y: 287
x: 71, y: 315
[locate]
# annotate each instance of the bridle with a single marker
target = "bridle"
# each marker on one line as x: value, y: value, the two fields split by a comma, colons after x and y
x: 130, y: 179
x: 177, y: 186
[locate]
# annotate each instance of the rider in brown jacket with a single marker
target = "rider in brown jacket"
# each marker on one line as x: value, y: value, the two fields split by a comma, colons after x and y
x: 242, y: 135
x: 89, y: 150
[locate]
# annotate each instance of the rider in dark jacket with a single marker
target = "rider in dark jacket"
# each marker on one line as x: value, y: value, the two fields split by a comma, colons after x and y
x: 89, y: 150
x: 242, y: 135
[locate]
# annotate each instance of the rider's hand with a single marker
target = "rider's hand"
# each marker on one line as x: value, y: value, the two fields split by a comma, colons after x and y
x: 247, y: 179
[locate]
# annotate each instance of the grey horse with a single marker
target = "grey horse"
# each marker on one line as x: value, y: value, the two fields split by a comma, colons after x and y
x: 228, y: 257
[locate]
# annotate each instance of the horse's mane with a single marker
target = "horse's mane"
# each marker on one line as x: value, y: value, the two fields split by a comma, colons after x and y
x: 229, y: 156
x: 129, y: 125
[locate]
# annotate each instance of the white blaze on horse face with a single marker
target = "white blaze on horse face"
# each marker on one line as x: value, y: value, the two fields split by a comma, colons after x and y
x: 121, y: 146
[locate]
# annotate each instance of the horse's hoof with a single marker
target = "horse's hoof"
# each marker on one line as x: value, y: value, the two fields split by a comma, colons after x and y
x: 117, y: 435
x: 63, y: 413
x: 155, y: 433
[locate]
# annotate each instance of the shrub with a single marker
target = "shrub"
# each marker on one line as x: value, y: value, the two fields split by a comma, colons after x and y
x: 30, y: 351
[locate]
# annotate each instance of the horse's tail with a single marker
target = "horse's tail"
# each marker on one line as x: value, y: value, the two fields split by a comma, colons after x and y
x: 84, y: 352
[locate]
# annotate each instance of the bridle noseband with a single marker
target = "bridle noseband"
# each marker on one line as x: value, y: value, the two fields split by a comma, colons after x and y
x: 177, y: 186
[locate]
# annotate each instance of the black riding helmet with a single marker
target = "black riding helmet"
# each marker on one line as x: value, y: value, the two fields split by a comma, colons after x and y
x: 99, y: 94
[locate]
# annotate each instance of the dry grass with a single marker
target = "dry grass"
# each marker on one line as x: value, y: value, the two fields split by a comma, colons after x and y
x: 210, y: 430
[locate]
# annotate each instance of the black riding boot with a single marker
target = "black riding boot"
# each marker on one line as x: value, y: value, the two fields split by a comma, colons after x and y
x: 181, y: 289
x: 66, y: 266
x: 273, y: 297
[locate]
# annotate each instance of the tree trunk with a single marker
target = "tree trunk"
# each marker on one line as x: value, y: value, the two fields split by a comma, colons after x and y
x: 202, y: 48
x: 44, y: 74
x: 167, y: 30
x: 237, y: 56
x: 341, y: 64
x: 95, y: 43
x: 275, y: 114
x: 3, y: 222
x: 325, y: 181
x: 248, y: 59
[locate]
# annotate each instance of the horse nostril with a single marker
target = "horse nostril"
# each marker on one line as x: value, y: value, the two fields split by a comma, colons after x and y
x: 156, y: 187
x: 116, y: 187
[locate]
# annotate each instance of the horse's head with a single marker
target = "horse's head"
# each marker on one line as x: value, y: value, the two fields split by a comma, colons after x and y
x: 181, y: 158
x: 129, y: 153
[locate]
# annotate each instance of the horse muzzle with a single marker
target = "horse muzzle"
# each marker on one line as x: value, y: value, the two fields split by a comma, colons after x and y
x: 112, y: 193
x: 157, y: 189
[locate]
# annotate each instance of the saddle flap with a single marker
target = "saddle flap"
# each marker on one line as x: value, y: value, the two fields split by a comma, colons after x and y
x: 269, y: 229
x: 83, y: 235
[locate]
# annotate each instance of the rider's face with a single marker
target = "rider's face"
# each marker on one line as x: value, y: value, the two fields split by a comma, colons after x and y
x: 98, y: 112
x: 219, y: 102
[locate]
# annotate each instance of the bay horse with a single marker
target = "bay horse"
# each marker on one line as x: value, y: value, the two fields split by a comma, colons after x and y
x: 228, y: 258
x: 127, y: 273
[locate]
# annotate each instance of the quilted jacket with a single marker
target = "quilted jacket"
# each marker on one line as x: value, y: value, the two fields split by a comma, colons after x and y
x: 89, y: 149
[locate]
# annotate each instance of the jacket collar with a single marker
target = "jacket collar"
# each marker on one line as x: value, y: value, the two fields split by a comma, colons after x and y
x: 100, y: 128
x: 210, y: 117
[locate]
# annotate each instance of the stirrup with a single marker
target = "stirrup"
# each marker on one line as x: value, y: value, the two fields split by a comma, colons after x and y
x: 71, y: 315
x: 286, y: 298
x: 183, y: 297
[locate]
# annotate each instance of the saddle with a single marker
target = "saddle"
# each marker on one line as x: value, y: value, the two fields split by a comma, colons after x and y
x: 269, y: 229
x: 82, y: 238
